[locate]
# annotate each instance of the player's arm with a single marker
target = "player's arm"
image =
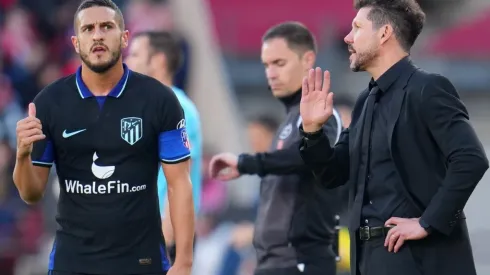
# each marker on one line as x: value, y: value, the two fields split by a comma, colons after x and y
x: 287, y: 160
x: 167, y: 227
x: 193, y: 127
x: 34, y: 158
x: 175, y: 156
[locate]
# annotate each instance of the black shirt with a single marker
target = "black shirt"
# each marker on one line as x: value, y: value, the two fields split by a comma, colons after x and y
x: 107, y: 152
x: 382, y: 197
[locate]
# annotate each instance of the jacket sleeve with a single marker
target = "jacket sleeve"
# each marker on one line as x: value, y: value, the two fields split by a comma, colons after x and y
x: 329, y: 164
x: 288, y: 160
x: 448, y: 123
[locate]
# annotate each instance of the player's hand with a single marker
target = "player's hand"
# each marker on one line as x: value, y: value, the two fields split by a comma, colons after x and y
x: 29, y: 130
x: 404, y: 230
x: 224, y: 167
x: 316, y: 105
x: 177, y: 269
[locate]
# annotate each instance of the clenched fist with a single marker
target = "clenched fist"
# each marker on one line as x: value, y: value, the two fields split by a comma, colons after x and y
x: 29, y: 130
x: 224, y: 166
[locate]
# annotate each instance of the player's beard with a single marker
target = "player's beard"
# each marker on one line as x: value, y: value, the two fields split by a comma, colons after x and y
x: 363, y: 59
x: 102, y: 67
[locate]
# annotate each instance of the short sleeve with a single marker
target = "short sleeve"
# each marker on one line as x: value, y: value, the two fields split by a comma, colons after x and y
x: 173, y: 141
x: 43, y: 153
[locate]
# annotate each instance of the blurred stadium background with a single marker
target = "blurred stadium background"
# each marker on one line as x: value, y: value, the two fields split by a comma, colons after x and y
x: 224, y: 76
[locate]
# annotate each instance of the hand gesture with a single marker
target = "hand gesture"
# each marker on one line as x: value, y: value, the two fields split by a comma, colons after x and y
x: 404, y: 230
x: 316, y: 100
x: 224, y: 167
x: 29, y: 130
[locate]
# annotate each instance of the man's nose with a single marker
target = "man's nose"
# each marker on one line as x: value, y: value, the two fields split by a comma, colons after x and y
x: 98, y: 34
x: 271, y: 74
x: 348, y: 39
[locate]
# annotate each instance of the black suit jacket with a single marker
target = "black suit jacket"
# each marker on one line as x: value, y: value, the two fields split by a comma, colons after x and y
x: 437, y: 155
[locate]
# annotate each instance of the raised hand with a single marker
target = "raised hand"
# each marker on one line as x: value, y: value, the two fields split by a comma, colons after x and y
x: 224, y: 167
x: 29, y: 130
x: 316, y: 100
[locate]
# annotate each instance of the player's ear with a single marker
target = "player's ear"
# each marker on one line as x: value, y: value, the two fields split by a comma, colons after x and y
x: 159, y: 60
x: 125, y: 39
x: 309, y: 59
x: 76, y: 45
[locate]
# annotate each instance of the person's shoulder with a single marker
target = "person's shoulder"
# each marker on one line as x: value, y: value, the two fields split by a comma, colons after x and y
x: 186, y: 102
x: 428, y: 83
x: 55, y: 89
x: 149, y: 86
x: 424, y: 78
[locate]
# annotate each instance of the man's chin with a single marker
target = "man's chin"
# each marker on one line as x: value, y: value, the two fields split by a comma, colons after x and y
x: 356, y: 68
x: 280, y: 93
x: 100, y: 67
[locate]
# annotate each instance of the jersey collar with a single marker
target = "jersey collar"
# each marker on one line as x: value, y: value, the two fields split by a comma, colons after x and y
x: 115, y: 92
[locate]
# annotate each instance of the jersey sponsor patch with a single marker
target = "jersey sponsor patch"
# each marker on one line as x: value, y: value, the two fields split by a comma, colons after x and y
x: 181, y: 124
x: 185, y: 139
x: 104, y: 185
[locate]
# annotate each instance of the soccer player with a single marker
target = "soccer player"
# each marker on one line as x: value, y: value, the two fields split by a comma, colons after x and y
x: 107, y: 129
x: 158, y: 54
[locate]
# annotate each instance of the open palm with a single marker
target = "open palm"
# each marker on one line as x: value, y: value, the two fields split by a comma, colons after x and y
x: 316, y: 101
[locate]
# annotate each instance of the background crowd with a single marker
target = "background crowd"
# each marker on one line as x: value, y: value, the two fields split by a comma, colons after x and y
x: 223, y: 74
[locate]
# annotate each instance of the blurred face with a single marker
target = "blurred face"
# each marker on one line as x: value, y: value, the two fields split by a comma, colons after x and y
x: 363, y: 42
x: 99, y: 40
x: 260, y: 137
x: 284, y: 67
x: 139, y: 55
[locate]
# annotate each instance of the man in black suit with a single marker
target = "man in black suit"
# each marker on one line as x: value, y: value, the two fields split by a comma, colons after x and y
x: 410, y: 156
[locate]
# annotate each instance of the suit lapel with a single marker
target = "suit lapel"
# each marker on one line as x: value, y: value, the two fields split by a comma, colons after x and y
x: 398, y: 98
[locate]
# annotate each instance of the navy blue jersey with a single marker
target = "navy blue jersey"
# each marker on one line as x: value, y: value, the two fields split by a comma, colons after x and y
x: 107, y: 152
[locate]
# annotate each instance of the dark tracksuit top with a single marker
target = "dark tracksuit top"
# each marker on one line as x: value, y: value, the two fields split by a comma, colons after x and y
x: 295, y: 220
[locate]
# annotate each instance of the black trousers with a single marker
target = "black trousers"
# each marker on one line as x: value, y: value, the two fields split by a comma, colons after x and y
x: 70, y: 273
x: 374, y: 259
x: 309, y: 269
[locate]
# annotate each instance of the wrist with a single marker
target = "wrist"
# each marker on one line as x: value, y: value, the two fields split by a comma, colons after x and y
x: 312, y: 128
x: 248, y: 164
x: 23, y: 157
x: 180, y: 262
x: 425, y: 226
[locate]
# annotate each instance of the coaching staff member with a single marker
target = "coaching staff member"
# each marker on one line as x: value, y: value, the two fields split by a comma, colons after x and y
x: 106, y: 128
x: 294, y: 229
x: 410, y: 156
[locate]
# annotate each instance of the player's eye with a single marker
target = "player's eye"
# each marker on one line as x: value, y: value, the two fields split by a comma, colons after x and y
x: 281, y: 63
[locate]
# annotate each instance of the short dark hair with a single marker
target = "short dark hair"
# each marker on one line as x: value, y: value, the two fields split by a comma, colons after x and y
x: 405, y: 16
x: 168, y: 44
x: 297, y: 36
x: 100, y: 3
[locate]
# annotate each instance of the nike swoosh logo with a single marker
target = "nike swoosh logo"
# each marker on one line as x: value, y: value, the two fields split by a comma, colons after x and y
x: 67, y: 135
